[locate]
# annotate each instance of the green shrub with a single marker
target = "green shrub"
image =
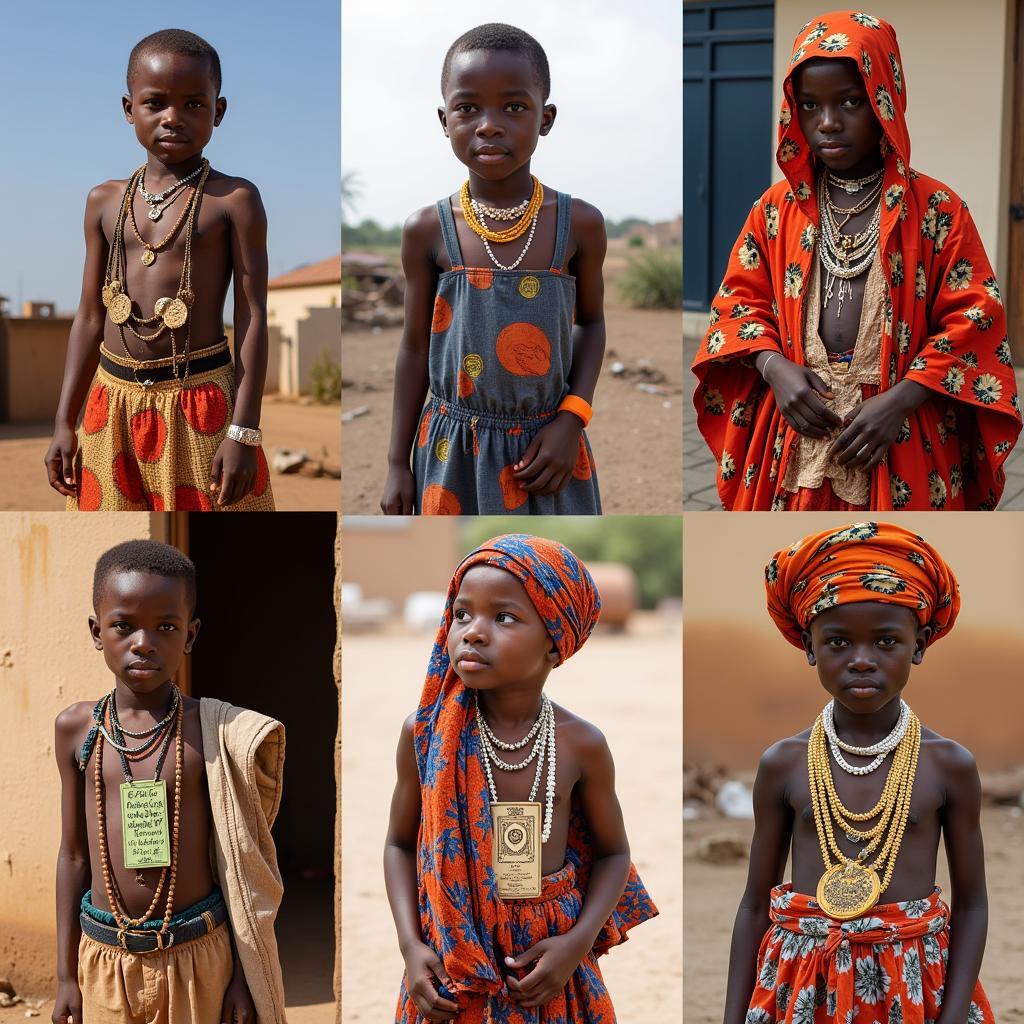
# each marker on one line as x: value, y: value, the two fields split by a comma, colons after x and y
x: 654, y: 280
x: 326, y: 376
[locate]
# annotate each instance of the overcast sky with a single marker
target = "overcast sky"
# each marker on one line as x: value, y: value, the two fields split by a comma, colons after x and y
x: 62, y: 65
x: 616, y: 78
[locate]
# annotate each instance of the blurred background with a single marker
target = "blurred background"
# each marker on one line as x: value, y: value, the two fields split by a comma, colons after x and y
x: 626, y: 680
x: 747, y: 687
x: 616, y: 143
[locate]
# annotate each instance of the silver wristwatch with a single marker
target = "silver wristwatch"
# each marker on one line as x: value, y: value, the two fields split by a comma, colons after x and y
x: 245, y: 435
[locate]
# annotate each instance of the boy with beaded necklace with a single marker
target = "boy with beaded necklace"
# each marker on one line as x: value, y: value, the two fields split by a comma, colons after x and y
x: 168, y: 423
x: 145, y: 935
x: 504, y: 319
x: 864, y: 602
x: 856, y: 356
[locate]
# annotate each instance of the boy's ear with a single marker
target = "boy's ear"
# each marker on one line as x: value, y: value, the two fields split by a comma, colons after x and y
x: 808, y: 647
x: 548, y: 119
x: 924, y: 635
x: 94, y: 631
x: 441, y: 116
x: 554, y: 657
x: 126, y: 106
x: 220, y: 107
x: 192, y: 631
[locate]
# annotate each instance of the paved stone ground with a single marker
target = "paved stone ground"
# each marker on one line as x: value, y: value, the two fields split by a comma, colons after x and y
x: 699, y: 493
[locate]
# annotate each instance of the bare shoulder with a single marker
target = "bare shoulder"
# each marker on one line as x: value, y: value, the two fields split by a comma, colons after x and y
x: 583, y: 738
x: 70, y: 728
x: 952, y: 759
x: 239, y: 195
x: 587, y: 222
x: 784, y: 755
x: 105, y: 194
x: 422, y: 227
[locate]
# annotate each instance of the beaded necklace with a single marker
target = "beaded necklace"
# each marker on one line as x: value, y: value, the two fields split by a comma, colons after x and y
x: 544, y: 730
x: 169, y: 876
x: 528, y: 211
x: 851, y: 887
x: 877, y: 750
x: 844, y: 257
x: 853, y: 185
x: 159, y: 201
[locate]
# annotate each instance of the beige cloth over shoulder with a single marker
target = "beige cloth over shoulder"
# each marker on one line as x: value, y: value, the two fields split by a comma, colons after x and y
x: 810, y: 462
x: 244, y: 754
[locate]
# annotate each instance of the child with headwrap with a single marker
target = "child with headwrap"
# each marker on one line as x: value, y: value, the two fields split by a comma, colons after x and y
x: 864, y: 602
x: 517, y: 607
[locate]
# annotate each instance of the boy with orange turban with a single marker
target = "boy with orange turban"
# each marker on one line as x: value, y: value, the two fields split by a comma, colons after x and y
x: 867, y: 938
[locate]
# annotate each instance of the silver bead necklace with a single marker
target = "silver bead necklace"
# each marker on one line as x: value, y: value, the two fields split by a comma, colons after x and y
x: 499, y: 213
x: 156, y: 200
x: 882, y: 748
x: 544, y: 730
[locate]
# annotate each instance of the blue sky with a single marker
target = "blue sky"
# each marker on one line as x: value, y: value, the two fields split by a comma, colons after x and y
x: 616, y: 78
x: 62, y: 66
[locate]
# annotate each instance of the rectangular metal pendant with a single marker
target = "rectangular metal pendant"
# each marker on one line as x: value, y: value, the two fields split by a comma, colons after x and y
x: 147, y: 841
x: 516, y: 849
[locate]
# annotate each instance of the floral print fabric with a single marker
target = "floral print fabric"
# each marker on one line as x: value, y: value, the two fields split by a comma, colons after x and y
x: 944, y: 324
x: 461, y: 916
x: 860, y: 562
x: 889, y: 965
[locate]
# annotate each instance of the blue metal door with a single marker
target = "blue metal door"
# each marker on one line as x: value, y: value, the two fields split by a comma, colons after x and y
x: 728, y: 126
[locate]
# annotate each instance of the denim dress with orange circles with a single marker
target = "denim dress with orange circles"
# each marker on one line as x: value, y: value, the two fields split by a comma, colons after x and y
x: 500, y: 355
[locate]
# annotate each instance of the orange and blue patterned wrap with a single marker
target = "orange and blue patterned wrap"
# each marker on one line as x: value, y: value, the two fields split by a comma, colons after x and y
x: 860, y: 562
x: 889, y: 965
x: 461, y: 916
x: 944, y: 322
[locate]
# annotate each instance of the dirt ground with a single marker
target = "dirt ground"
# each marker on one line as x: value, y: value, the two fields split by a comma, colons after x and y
x: 643, y: 727
x: 636, y: 437
x: 286, y: 424
x: 712, y: 894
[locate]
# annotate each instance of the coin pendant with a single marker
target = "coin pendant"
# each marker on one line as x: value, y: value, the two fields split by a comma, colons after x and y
x: 848, y: 890
x: 155, y: 213
x: 441, y: 450
x: 529, y: 287
x: 160, y: 305
x: 175, y: 314
x: 106, y: 295
x: 473, y: 365
x: 120, y: 309
x: 148, y: 258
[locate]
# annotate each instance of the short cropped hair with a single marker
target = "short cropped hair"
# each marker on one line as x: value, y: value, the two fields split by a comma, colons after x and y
x: 497, y: 36
x: 148, y: 556
x: 174, y: 40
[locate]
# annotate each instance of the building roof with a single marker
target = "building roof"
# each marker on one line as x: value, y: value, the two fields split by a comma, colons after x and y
x: 324, y: 272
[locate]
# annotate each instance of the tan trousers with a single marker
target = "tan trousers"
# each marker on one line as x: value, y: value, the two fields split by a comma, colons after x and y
x: 181, y: 985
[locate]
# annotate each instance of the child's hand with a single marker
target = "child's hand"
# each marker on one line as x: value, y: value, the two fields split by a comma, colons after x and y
x: 67, y: 1009
x: 873, y: 426
x: 60, y: 460
x: 399, y: 492
x: 422, y: 966
x: 233, y: 474
x: 547, y: 464
x: 798, y: 393
x: 556, y: 959
x: 238, y: 1007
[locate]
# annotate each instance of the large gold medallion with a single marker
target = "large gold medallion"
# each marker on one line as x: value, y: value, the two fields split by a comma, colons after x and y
x: 148, y: 258
x: 175, y: 314
x: 848, y: 890
x: 120, y: 308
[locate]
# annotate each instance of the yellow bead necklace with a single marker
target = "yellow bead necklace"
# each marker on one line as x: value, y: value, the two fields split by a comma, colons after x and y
x: 507, y: 234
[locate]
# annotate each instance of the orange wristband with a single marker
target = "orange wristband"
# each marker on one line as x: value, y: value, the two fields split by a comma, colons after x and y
x: 578, y: 407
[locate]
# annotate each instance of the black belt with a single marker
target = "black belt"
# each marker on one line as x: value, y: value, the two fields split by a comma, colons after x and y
x: 157, y: 374
x: 150, y: 941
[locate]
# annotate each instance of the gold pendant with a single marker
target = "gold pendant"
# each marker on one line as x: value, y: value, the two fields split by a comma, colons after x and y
x: 106, y: 295
x: 160, y: 305
x: 120, y: 308
x: 148, y: 258
x: 516, y: 849
x: 529, y: 287
x: 848, y: 890
x: 175, y: 314
x: 473, y: 364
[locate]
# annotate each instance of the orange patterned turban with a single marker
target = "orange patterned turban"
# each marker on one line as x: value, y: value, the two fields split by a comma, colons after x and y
x: 862, y: 562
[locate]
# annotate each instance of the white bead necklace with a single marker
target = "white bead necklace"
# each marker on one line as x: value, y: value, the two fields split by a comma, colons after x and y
x: 851, y: 186
x: 882, y: 748
x: 544, y: 730
x: 479, y: 210
x: 156, y: 200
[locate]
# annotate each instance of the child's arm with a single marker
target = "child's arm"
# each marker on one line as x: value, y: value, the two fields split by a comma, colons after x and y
x: 961, y: 826
x: 422, y: 964
x: 411, y: 367
x: 238, y: 1007
x: 547, y: 464
x: 73, y: 868
x: 558, y: 956
x: 233, y: 474
x: 768, y: 849
x: 83, y: 353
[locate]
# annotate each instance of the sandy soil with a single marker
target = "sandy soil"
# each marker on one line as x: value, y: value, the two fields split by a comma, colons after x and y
x: 713, y: 893
x: 643, y: 727
x: 636, y: 437
x: 286, y: 424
